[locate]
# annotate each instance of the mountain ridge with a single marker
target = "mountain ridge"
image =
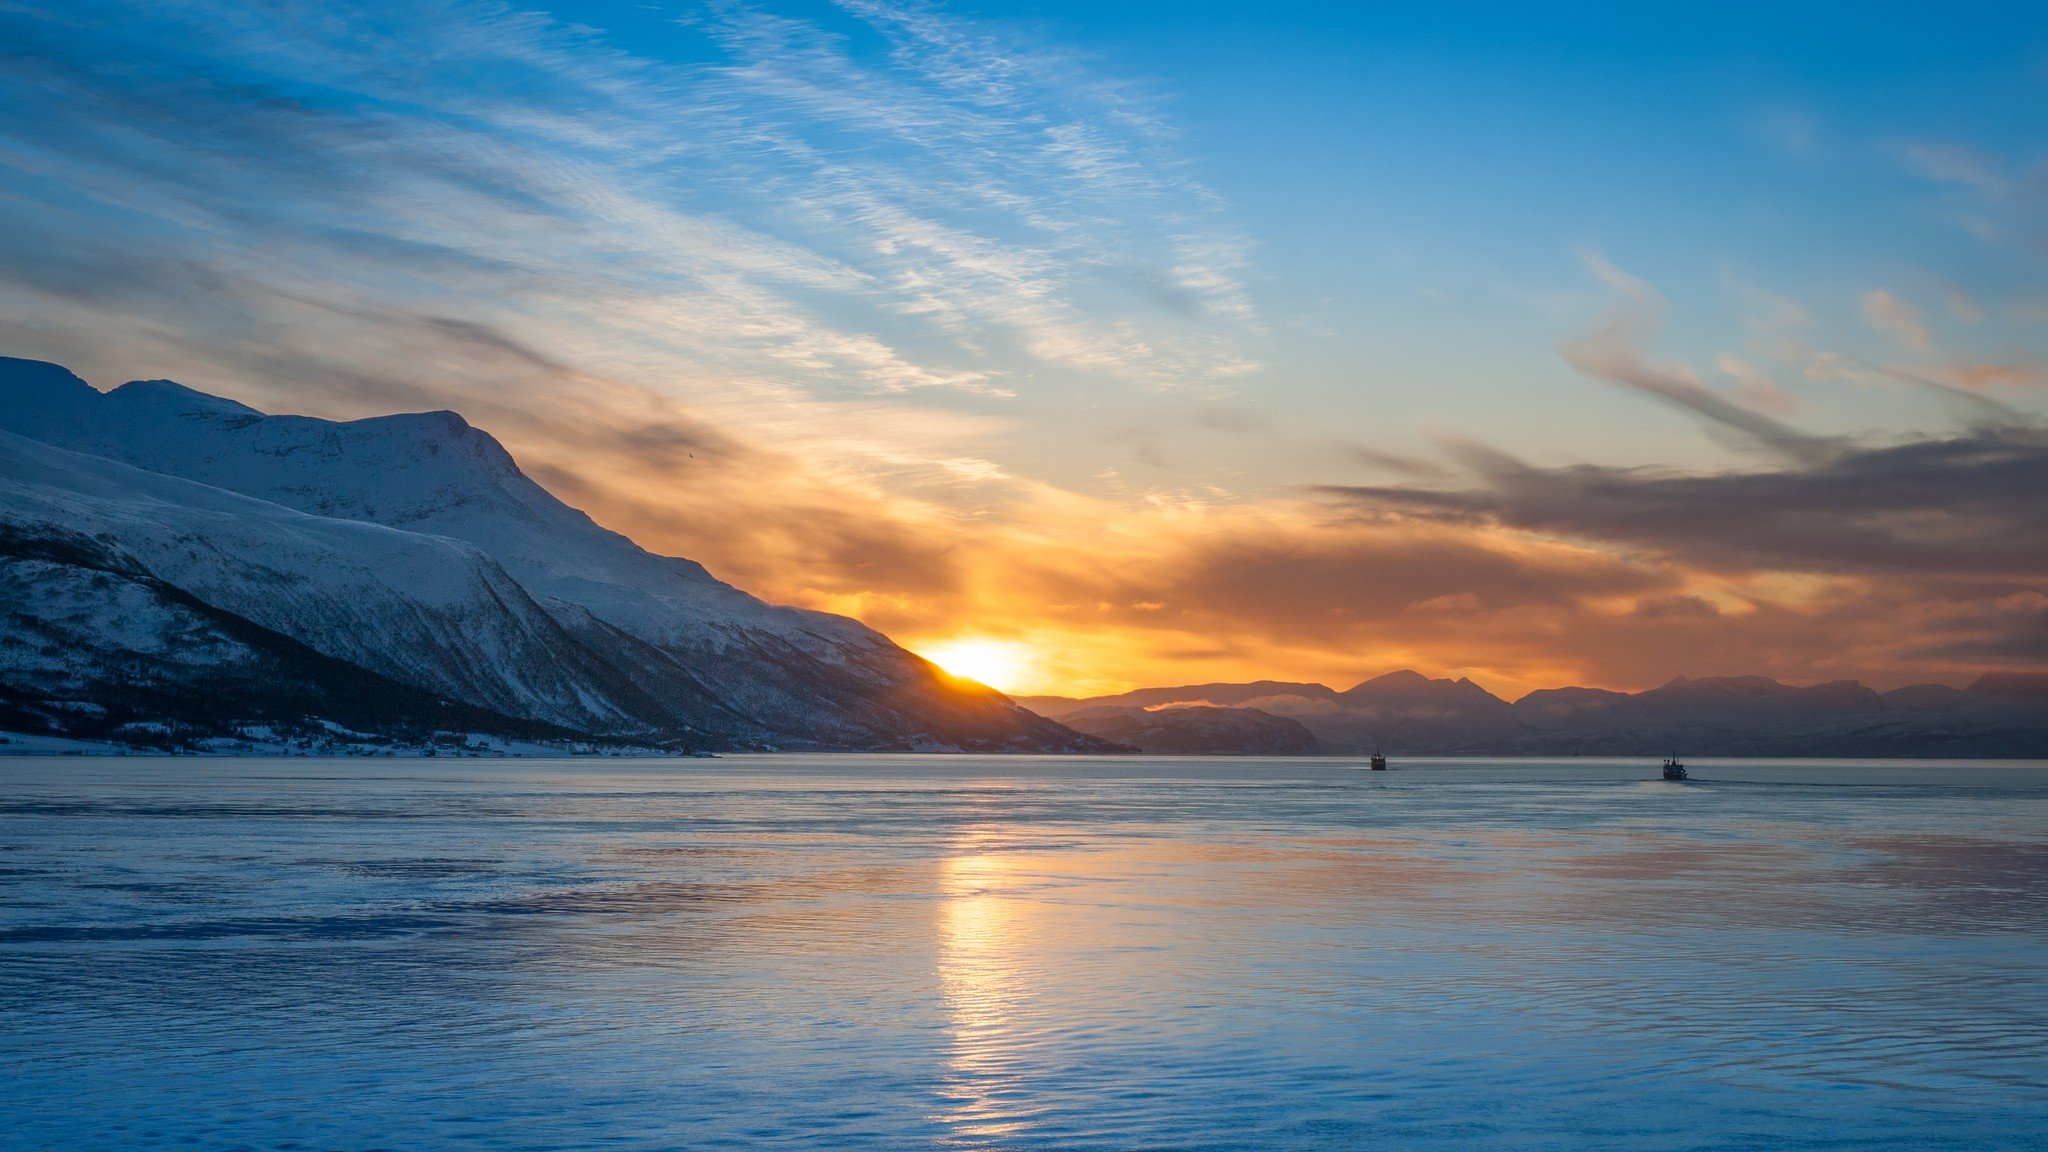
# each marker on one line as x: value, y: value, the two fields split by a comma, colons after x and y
x: 2002, y: 714
x: 511, y: 601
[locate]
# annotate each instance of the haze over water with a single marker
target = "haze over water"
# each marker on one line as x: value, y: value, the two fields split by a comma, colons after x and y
x: 964, y: 952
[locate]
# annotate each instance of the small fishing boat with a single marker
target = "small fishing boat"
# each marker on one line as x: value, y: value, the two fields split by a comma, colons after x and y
x: 1379, y: 762
x: 1673, y: 770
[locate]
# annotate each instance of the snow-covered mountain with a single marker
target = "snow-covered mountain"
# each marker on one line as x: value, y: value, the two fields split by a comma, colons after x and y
x: 92, y: 646
x: 413, y: 548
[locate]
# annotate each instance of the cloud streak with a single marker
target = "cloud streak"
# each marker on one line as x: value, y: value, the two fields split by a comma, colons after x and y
x: 857, y: 223
x: 1963, y: 506
x: 1616, y: 351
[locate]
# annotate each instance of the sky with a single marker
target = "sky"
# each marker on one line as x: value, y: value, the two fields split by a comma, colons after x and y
x: 1086, y: 346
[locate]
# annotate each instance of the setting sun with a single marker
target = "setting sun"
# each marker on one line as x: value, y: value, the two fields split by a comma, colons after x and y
x: 1000, y: 664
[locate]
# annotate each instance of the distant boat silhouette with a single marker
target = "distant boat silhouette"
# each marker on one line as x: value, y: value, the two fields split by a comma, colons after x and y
x: 1379, y: 762
x: 1673, y: 770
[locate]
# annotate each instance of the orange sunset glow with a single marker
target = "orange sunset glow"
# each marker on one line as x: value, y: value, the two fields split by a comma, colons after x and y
x: 1005, y: 665
x: 1109, y: 383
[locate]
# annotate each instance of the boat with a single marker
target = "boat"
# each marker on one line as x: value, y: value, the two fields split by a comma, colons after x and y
x: 1673, y: 770
x: 1379, y: 762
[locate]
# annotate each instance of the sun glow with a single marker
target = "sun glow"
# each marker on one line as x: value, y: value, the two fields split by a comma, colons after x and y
x: 1000, y: 664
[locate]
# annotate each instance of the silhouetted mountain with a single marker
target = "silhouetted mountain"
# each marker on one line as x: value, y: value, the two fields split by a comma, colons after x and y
x: 412, y: 548
x: 1404, y: 713
x: 1408, y: 710
x: 1196, y: 730
x: 1219, y: 695
x: 2019, y: 685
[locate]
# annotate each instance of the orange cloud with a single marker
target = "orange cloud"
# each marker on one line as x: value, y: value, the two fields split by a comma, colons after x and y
x: 1896, y: 316
x: 1087, y: 595
x: 2013, y: 375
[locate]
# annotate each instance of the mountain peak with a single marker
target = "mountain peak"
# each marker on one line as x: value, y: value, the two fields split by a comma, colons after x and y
x: 432, y: 434
x: 1404, y: 678
x: 1408, y: 683
x: 178, y: 397
x: 440, y: 420
x: 40, y: 388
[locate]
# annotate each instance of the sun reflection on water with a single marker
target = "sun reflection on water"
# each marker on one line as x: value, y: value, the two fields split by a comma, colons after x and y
x: 981, y: 929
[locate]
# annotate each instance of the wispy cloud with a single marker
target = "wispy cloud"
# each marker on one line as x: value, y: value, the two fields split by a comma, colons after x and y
x: 954, y: 211
x: 1617, y: 351
x: 1950, y: 163
x: 1886, y: 311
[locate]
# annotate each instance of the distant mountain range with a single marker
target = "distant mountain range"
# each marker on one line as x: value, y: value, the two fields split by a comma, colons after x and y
x: 177, y: 569
x: 1195, y: 730
x: 1405, y: 713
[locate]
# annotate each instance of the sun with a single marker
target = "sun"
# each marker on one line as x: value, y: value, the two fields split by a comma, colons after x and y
x: 1000, y: 664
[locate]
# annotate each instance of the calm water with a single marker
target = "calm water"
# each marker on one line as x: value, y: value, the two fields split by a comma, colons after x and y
x: 897, y: 952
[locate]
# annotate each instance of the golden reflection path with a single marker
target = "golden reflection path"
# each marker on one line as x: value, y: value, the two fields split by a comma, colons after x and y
x: 982, y: 925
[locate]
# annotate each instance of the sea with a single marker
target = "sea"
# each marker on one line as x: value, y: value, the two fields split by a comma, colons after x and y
x: 960, y: 952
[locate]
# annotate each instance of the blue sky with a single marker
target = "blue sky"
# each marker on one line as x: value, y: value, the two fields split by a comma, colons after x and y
x: 1426, y: 178
x: 1093, y: 328
x: 1422, y: 185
